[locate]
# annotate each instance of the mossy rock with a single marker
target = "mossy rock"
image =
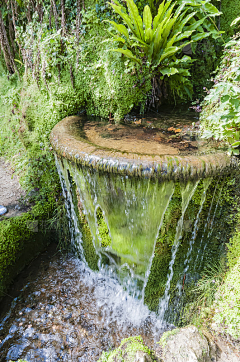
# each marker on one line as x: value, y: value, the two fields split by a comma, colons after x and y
x: 187, y: 345
x: 131, y: 349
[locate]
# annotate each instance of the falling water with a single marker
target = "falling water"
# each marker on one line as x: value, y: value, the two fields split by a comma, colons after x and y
x: 133, y: 212
x: 206, y: 184
x: 134, y: 240
x: 210, y: 225
x: 133, y: 215
x: 187, y: 193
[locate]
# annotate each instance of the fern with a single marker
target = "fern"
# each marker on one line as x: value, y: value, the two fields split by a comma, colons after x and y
x: 159, y: 40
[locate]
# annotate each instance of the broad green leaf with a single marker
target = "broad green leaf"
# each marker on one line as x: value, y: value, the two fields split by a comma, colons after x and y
x: 200, y: 36
x: 119, y: 39
x: 196, y: 24
x: 138, y: 41
x: 150, y: 52
x: 159, y: 16
x: 172, y: 40
x: 211, y: 9
x: 236, y: 21
x: 120, y: 28
x: 184, y: 21
x: 135, y: 18
x: 184, y: 59
x: 170, y: 51
x: 128, y: 54
x: 158, y: 37
x: 147, y: 17
x: 148, y: 35
x: 123, y: 15
x: 225, y: 98
x: 235, y: 152
x: 166, y: 31
x: 169, y: 71
x: 118, y: 4
x: 184, y: 72
x: 184, y: 35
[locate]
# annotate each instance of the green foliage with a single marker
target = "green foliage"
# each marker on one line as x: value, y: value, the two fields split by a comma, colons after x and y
x: 221, y: 107
x: 230, y: 10
x: 226, y: 314
x: 110, y: 85
x: 199, y: 310
x: 234, y: 247
x: 20, y: 242
x: 126, y: 351
x: 207, y: 56
x: 227, y: 306
x: 212, y: 278
x: 103, y: 231
x: 157, y: 40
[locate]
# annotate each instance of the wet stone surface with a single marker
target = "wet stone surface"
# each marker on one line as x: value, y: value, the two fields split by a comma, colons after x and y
x: 155, y: 134
x: 69, y: 313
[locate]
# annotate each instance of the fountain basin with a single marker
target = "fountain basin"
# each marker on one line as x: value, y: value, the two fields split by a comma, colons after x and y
x: 146, y: 206
x: 76, y: 139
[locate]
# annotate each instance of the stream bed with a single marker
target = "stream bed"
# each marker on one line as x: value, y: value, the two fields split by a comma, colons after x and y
x: 70, y: 313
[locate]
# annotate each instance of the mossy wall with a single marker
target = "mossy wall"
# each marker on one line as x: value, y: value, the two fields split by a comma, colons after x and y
x: 230, y: 10
x: 22, y: 238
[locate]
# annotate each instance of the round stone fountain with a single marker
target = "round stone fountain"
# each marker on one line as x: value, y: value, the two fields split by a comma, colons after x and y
x: 145, y: 201
x: 143, y: 148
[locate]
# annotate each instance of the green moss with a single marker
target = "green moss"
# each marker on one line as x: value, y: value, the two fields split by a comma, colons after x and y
x: 90, y: 254
x: 227, y: 307
x: 22, y: 238
x: 166, y: 335
x: 103, y: 231
x: 230, y: 11
x: 126, y: 351
x: 234, y: 248
x: 224, y: 200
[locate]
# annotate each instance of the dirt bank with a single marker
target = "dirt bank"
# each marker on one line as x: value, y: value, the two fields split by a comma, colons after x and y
x: 10, y: 190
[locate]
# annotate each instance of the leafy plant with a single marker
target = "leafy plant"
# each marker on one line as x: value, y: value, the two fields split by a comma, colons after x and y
x: 221, y: 107
x: 212, y: 278
x: 204, y: 292
x: 157, y: 41
x: 227, y: 306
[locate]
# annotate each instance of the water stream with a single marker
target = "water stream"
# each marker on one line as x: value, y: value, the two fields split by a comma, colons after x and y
x: 187, y: 192
x: 137, y: 246
x: 127, y: 220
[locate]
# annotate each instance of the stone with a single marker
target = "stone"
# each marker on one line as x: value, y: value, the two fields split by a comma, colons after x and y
x: 3, y: 210
x: 142, y: 357
x: 187, y: 345
x: 130, y: 350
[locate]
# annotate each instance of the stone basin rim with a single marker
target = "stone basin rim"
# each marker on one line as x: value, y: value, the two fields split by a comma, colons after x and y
x: 173, y: 167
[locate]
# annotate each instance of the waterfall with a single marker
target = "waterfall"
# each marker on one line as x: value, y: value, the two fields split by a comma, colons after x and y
x: 211, y: 224
x: 187, y: 193
x: 76, y: 235
x: 127, y: 220
x: 179, y: 287
x: 133, y: 212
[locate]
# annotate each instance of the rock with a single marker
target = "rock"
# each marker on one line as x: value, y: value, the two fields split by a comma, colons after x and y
x: 3, y: 210
x: 130, y: 350
x: 187, y: 345
x: 142, y: 357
